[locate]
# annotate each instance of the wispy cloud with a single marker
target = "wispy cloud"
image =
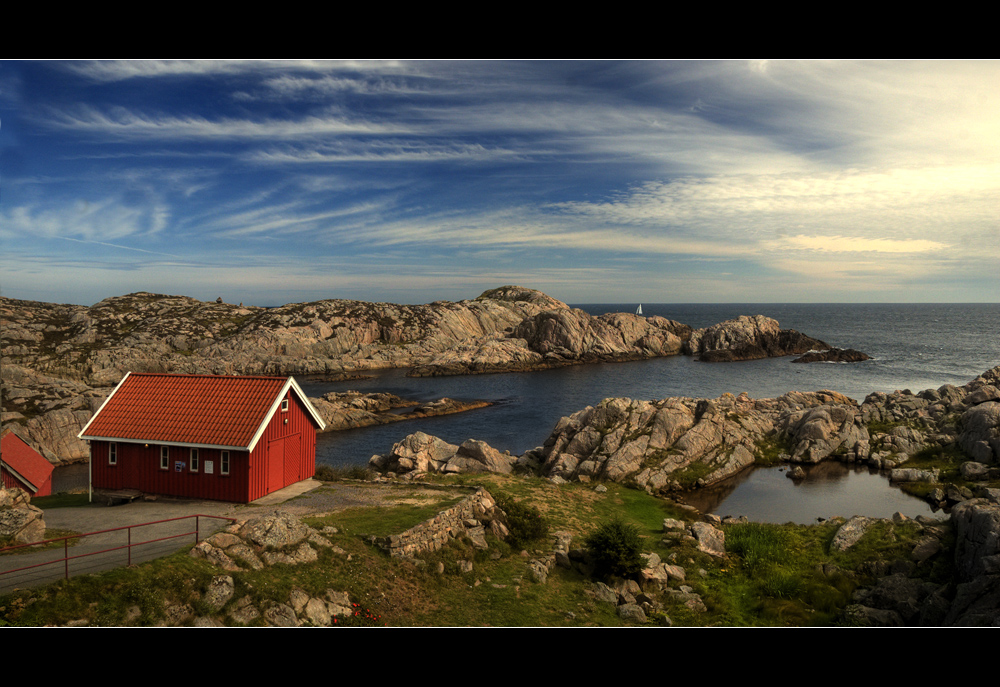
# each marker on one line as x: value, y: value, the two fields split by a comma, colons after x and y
x: 385, y: 151
x: 106, y: 220
x: 119, y: 70
x: 123, y: 123
x: 858, y: 244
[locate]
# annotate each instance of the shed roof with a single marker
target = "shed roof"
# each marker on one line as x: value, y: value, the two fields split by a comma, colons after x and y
x: 192, y: 410
x: 24, y: 462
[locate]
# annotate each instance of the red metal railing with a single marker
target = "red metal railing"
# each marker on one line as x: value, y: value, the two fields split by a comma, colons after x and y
x: 128, y: 546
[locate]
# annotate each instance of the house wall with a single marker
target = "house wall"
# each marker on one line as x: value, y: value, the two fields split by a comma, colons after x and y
x: 138, y: 467
x: 10, y: 482
x: 286, y: 452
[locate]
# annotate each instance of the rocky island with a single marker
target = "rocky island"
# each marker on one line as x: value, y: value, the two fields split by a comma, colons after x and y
x: 61, y: 361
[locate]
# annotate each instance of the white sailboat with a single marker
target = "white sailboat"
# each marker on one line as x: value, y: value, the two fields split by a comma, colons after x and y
x: 638, y: 311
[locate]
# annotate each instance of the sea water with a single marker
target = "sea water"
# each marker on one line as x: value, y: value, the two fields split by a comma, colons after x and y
x: 913, y: 346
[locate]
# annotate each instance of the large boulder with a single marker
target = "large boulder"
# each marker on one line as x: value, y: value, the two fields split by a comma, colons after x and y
x: 20, y: 522
x: 980, y: 436
x: 418, y: 452
x: 478, y: 456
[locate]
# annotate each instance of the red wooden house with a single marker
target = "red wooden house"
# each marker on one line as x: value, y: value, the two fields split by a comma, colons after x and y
x: 224, y: 438
x: 24, y: 467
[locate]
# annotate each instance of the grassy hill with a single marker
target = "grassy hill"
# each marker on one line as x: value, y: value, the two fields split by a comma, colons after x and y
x: 773, y: 575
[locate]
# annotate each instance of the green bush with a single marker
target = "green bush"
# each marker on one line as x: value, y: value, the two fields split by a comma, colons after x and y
x: 525, y: 523
x: 615, y: 547
x: 329, y: 473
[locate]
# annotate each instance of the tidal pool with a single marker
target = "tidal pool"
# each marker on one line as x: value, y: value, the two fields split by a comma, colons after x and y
x: 829, y: 489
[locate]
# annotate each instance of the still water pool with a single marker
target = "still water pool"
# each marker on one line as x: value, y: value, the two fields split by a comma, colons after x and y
x: 828, y: 490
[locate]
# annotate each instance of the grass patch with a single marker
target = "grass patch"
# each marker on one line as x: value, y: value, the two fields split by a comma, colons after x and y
x: 381, y: 521
x: 689, y: 476
x: 770, y: 450
x: 126, y: 596
x: 786, y: 575
x: 49, y: 534
x: 886, y: 426
x: 62, y: 500
x: 947, y: 461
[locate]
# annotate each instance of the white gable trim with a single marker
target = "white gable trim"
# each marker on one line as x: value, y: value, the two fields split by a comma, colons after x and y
x: 83, y: 432
x: 19, y: 477
x: 294, y: 386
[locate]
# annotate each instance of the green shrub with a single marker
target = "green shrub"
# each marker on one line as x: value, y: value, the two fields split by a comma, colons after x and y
x: 329, y: 473
x: 615, y: 547
x: 525, y: 523
x: 758, y: 546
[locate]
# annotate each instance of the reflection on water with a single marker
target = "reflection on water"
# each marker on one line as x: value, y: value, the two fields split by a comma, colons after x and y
x: 829, y: 489
x: 69, y: 478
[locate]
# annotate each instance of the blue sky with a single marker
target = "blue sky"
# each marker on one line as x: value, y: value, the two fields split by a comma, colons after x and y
x: 674, y: 181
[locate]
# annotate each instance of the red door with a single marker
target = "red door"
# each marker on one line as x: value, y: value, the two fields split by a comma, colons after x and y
x: 275, y: 464
x: 293, y: 459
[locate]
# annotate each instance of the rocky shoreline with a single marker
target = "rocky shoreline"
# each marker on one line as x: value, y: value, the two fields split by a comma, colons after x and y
x: 353, y: 409
x: 678, y: 443
x: 61, y: 361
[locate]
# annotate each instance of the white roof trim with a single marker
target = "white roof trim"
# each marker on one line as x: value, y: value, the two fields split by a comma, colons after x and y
x: 19, y: 477
x: 82, y: 434
x: 305, y: 401
x: 289, y: 384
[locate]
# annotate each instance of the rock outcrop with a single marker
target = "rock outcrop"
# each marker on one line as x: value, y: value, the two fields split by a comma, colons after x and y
x: 562, y: 336
x: 680, y: 443
x: 972, y: 598
x: 352, y: 409
x: 834, y: 355
x: 748, y: 338
x: 677, y: 442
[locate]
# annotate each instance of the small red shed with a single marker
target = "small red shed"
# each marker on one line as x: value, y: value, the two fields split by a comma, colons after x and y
x: 224, y: 438
x: 24, y: 467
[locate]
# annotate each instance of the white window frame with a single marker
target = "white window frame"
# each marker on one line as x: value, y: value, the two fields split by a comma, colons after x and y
x: 195, y: 463
x: 164, y: 457
x: 224, y: 463
x: 284, y: 405
x: 112, y: 453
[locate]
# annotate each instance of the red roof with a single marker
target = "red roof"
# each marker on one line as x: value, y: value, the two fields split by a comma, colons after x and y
x: 24, y: 460
x: 198, y: 410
